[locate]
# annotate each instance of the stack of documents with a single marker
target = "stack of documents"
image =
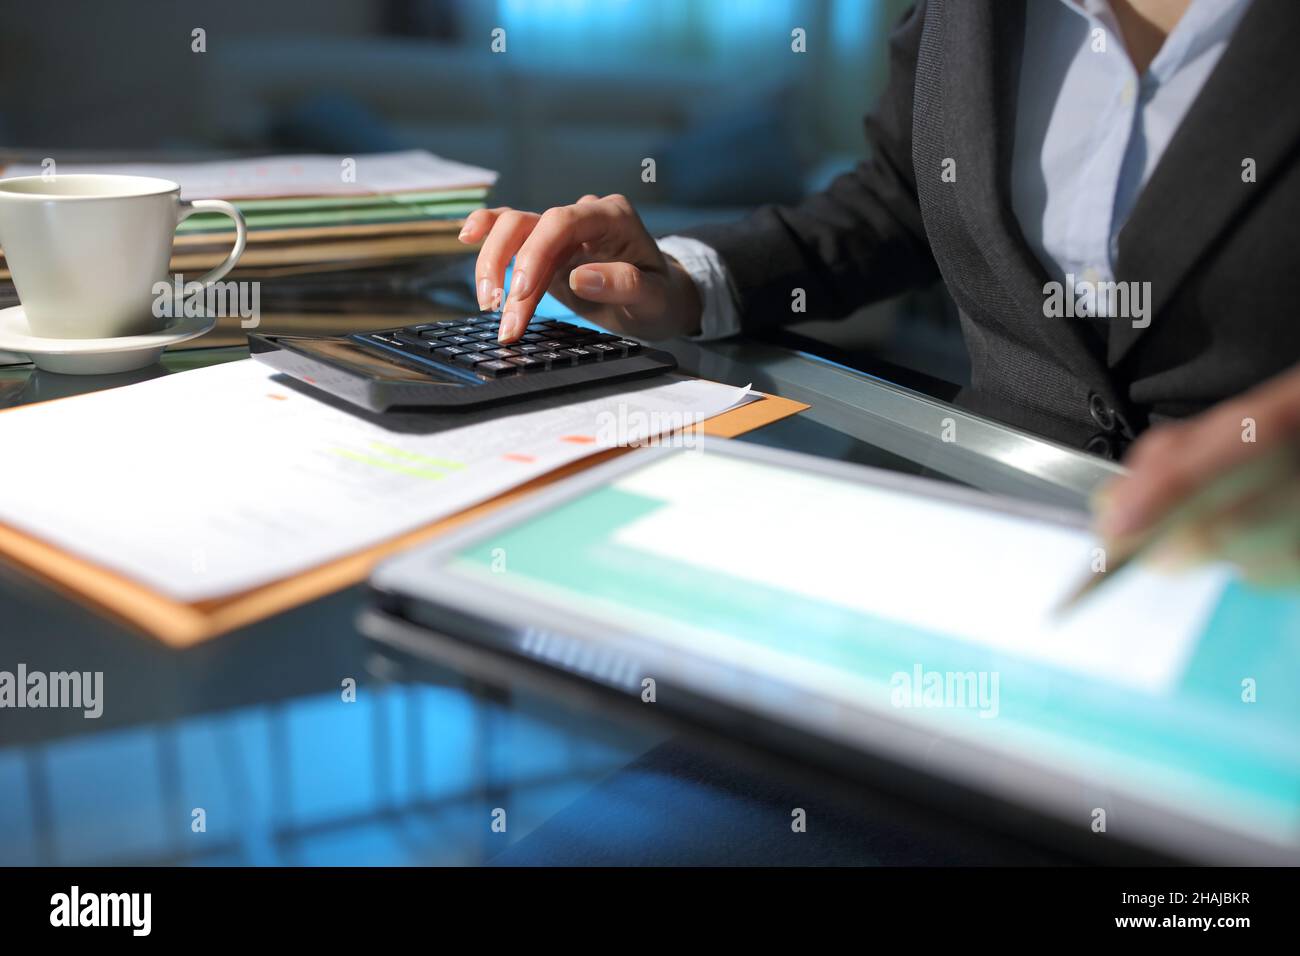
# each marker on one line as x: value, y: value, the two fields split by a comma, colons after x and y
x: 227, y: 477
x: 311, y: 213
x: 199, y: 502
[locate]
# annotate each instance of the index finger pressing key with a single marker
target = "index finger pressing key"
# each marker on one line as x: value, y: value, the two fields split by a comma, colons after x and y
x: 559, y: 232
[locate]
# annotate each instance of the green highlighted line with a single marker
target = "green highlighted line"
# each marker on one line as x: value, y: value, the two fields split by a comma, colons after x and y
x: 415, y: 471
x: 415, y: 457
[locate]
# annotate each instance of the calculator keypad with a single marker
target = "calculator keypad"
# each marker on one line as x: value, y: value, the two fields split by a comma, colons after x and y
x: 472, y: 343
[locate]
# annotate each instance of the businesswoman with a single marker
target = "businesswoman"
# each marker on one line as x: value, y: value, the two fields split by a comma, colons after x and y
x: 1030, y: 152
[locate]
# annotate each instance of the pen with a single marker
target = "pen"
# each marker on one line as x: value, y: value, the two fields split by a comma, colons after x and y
x: 1118, y: 557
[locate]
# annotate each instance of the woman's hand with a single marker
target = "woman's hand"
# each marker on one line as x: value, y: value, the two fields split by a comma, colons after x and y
x: 1227, y: 483
x: 594, y: 256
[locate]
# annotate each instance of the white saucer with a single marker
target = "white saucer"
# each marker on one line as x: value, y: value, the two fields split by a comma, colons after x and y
x: 96, y: 356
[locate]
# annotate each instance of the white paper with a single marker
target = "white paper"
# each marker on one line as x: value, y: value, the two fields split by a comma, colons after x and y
x: 268, y: 176
x: 212, y: 481
x: 976, y: 575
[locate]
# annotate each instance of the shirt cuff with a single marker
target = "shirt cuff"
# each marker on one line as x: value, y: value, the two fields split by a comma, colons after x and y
x: 719, y: 317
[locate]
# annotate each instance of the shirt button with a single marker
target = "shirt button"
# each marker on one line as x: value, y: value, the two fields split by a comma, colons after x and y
x: 1127, y: 93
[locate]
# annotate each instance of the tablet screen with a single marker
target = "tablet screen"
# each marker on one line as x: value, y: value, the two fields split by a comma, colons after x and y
x: 886, y: 599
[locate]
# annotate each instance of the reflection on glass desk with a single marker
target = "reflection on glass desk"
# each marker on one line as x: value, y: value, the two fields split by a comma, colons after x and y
x: 251, y: 729
x: 408, y: 774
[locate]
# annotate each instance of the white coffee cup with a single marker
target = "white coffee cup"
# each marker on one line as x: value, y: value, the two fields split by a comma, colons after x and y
x: 85, y: 251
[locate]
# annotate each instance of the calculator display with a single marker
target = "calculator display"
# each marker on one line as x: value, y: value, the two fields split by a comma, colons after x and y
x: 370, y: 362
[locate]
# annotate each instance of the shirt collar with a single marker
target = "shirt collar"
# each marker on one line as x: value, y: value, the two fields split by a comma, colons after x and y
x: 1204, y: 23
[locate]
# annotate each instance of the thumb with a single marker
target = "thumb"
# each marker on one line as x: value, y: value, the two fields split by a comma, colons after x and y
x: 619, y: 283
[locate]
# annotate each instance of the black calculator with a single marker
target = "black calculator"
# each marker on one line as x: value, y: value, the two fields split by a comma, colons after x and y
x: 457, y: 363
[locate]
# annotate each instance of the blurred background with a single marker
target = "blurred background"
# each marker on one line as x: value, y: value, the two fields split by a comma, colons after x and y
x: 584, y: 91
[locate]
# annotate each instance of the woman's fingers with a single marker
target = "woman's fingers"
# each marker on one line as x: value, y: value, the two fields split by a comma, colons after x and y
x: 619, y: 283
x: 1162, y: 473
x: 1224, y: 485
x: 551, y: 242
x: 1265, y: 547
x: 478, y: 224
x: 1173, y: 462
x: 1241, y: 522
x: 509, y: 231
x: 553, y: 251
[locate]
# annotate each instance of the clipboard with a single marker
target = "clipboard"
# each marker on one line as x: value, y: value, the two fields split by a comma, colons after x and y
x: 180, y: 625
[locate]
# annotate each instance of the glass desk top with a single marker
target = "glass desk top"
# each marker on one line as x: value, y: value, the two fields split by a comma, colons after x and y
x: 243, y: 750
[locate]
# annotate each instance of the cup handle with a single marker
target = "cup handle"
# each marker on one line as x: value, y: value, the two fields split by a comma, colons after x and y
x: 189, y: 208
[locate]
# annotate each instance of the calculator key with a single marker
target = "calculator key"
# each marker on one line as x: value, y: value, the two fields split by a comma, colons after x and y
x: 495, y: 367
x: 449, y: 351
x: 406, y: 338
x: 448, y: 323
x: 580, y: 354
x: 433, y: 333
x: 604, y: 349
x: 465, y: 330
x: 530, y: 337
x: 527, y: 349
x: 551, y: 345
x: 471, y: 358
x: 527, y: 363
x: 456, y: 340
x: 485, y: 336
x: 558, y: 359
x: 628, y: 345
x: 502, y: 353
x: 484, y: 346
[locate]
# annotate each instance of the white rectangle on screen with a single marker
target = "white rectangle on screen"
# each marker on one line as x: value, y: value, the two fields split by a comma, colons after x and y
x: 978, y: 575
